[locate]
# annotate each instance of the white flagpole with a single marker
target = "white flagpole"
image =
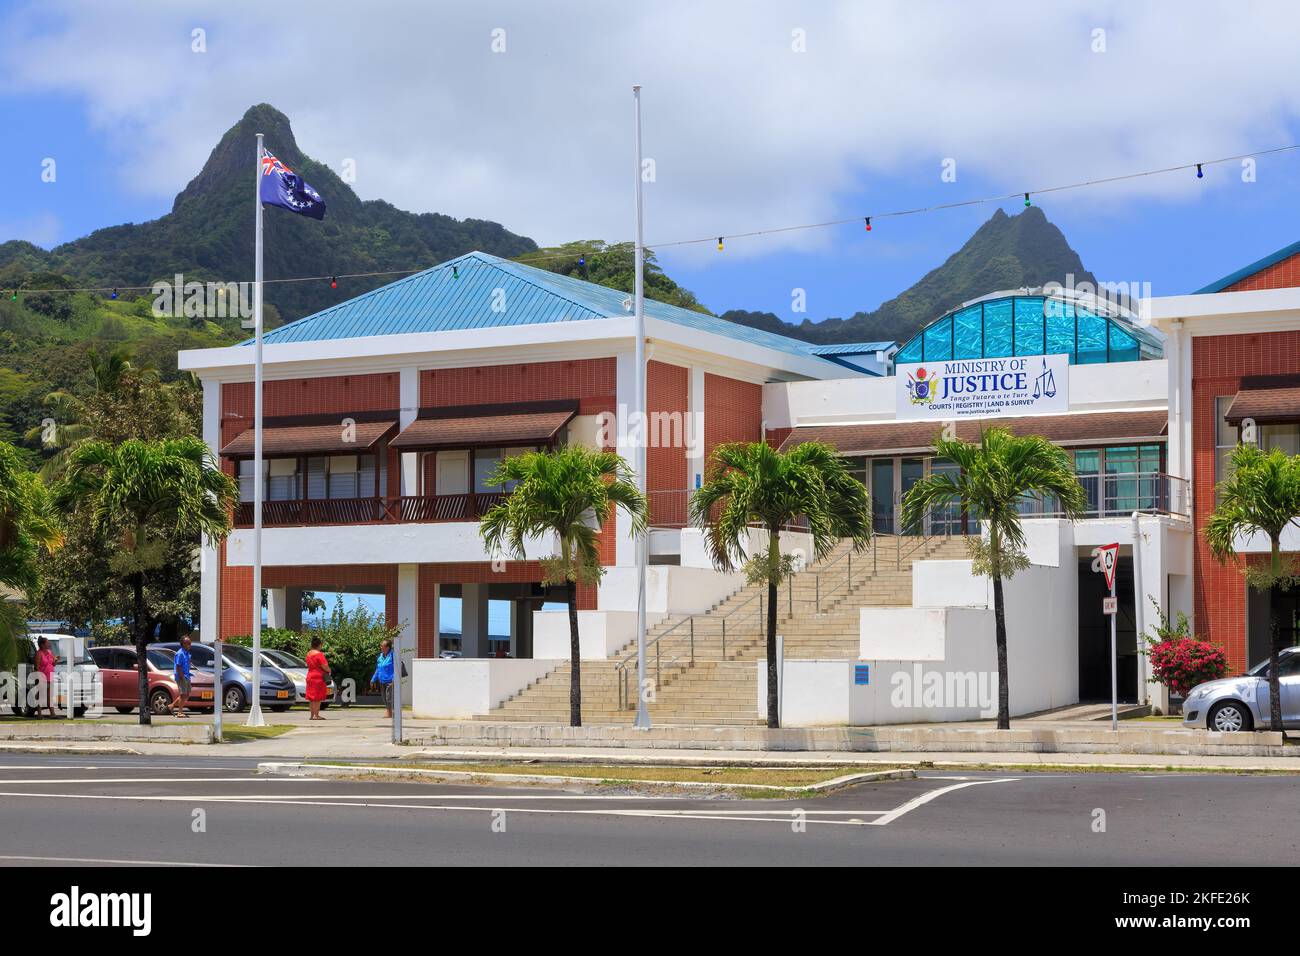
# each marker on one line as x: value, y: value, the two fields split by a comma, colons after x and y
x: 642, y: 542
x: 255, y: 709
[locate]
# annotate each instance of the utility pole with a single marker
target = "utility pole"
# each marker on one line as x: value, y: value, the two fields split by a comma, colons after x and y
x: 642, y: 541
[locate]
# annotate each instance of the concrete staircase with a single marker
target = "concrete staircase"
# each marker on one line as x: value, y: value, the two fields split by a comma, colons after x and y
x: 705, y: 663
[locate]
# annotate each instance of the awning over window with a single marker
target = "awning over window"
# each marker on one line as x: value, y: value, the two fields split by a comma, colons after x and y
x: 1265, y: 405
x: 287, y: 441
x: 485, y: 426
x: 1089, y: 428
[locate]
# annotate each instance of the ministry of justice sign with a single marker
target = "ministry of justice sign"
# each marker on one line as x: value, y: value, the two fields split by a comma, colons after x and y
x: 982, y: 388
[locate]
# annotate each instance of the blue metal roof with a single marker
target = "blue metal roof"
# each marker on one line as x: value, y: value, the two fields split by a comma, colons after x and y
x: 459, y: 294
x: 1285, y: 252
x: 852, y: 348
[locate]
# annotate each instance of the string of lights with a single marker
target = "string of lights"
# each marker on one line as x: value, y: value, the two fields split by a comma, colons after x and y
x: 866, y: 220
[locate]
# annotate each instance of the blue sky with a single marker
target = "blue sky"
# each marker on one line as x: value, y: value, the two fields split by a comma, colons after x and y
x: 746, y: 132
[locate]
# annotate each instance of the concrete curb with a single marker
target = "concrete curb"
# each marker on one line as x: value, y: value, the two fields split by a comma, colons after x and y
x: 276, y: 769
x: 1130, y: 740
x: 90, y: 731
x: 22, y: 748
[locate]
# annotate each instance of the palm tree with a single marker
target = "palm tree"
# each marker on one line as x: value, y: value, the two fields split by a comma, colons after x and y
x: 140, y: 494
x: 751, y: 483
x: 1261, y: 496
x: 996, y: 474
x: 27, y: 525
x: 571, y: 493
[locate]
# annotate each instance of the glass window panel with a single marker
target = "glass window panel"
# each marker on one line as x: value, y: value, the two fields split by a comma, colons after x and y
x: 343, y: 476
x: 882, y: 494
x: 486, y: 461
x: 997, y: 328
x: 365, y: 476
x: 968, y: 334
x: 1285, y: 437
x: 1092, y: 338
x: 316, y: 474
x: 1029, y: 326
x: 911, y: 352
x: 938, y: 341
x: 1123, y: 347
x: 1060, y: 328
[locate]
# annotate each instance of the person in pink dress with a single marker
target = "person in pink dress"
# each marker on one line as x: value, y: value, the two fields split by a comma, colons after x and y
x: 318, y: 668
x: 45, y: 667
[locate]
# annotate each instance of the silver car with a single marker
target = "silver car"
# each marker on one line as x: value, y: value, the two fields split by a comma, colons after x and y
x: 1242, y: 703
x: 295, y: 668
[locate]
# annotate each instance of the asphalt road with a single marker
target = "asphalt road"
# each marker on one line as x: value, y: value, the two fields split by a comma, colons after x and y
x: 79, y: 810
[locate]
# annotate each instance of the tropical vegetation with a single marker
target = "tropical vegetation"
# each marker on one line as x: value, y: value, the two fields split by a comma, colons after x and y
x: 992, y: 480
x: 571, y: 493
x: 752, y: 487
x: 1260, y: 496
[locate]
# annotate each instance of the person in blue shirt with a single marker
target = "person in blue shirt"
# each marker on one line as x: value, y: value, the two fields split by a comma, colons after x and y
x: 383, y: 675
x: 182, y: 674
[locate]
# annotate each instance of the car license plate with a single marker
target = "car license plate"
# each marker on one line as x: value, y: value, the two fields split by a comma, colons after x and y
x: 281, y: 694
x: 205, y: 695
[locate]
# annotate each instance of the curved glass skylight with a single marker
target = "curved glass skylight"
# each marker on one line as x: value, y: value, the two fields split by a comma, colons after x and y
x: 1089, y: 331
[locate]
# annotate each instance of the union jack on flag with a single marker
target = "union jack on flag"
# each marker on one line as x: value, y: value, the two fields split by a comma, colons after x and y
x: 281, y: 186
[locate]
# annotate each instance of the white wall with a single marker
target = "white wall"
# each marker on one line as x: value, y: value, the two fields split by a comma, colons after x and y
x: 694, y: 554
x: 669, y: 589
x: 411, y: 543
x: 937, y: 660
x: 601, y: 634
x: 461, y: 688
x: 1119, y: 386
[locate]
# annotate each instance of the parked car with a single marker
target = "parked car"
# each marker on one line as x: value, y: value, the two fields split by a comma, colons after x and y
x: 237, y: 676
x: 85, y: 674
x: 1242, y: 703
x: 449, y: 655
x: 296, y: 668
x: 120, y: 674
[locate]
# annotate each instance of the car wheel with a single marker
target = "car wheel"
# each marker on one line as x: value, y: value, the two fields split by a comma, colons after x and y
x: 160, y: 702
x: 124, y: 710
x: 1229, y: 717
x: 233, y: 699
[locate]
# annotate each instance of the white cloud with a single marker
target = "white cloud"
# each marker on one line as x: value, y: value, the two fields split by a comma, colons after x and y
x: 745, y: 132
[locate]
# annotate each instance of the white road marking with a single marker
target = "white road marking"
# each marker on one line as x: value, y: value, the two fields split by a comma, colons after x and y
x: 926, y: 797
x: 24, y: 780
x: 87, y: 859
x: 492, y: 802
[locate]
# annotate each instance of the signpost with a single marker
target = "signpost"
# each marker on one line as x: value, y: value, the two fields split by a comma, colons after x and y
x: 1104, y: 559
x: 944, y: 390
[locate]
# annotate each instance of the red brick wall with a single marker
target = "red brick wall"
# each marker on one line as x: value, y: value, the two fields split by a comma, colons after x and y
x: 775, y: 436
x: 1280, y: 275
x: 336, y: 394
x: 667, y: 391
x: 592, y: 381
x: 733, y: 411
x: 1218, y: 364
x: 237, y: 588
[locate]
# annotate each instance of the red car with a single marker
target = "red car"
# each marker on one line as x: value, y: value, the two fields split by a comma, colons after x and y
x: 117, y: 668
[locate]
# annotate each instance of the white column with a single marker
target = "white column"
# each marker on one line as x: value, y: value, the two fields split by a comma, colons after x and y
x: 408, y: 607
x: 695, y: 451
x: 209, y: 565
x: 275, y: 608
x: 409, y: 398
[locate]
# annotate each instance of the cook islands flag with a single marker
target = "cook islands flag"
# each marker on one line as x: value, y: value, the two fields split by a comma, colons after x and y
x: 281, y: 186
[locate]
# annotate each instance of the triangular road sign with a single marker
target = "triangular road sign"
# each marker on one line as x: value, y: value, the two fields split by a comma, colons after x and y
x: 1104, y: 559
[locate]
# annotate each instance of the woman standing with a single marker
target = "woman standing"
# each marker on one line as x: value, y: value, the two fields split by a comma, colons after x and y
x: 45, y: 667
x: 383, y: 675
x: 318, y: 669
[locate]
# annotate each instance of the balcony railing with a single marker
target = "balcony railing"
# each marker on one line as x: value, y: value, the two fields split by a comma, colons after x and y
x: 372, y: 510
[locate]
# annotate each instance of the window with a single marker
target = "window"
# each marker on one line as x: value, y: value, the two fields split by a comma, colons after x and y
x: 1087, y: 465
x: 1091, y: 331
x: 938, y: 341
x: 1285, y: 436
x: 1029, y: 326
x: 1225, y: 440
x: 968, y: 333
x: 997, y: 328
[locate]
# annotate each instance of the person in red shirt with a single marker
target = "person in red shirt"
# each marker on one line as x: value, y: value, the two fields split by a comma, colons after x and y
x: 318, y: 668
x: 45, y: 667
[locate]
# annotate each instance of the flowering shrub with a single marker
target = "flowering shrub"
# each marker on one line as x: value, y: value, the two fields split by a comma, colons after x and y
x: 1180, y: 660
x: 1180, y: 663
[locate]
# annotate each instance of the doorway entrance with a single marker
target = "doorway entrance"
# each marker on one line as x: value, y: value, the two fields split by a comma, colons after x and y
x: 1094, y: 635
